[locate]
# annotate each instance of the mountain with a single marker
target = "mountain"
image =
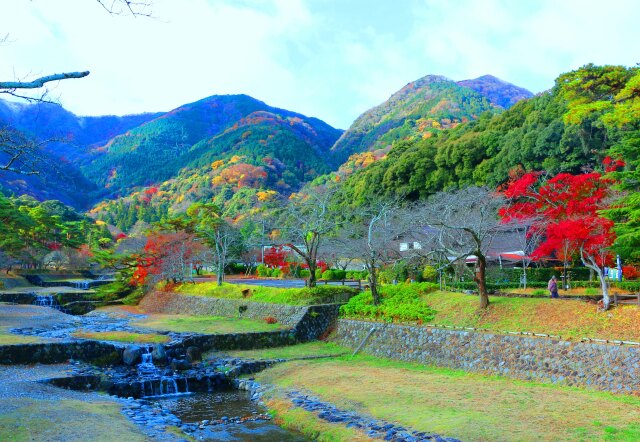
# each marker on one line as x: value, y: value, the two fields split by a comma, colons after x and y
x: 534, y: 134
x: 66, y: 140
x: 418, y: 110
x: 71, y: 135
x: 249, y: 165
x: 210, y: 129
x: 92, y: 158
x: 497, y: 91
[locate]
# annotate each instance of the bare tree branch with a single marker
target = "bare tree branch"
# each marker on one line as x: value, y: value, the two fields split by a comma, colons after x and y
x: 127, y: 7
x: 40, y: 82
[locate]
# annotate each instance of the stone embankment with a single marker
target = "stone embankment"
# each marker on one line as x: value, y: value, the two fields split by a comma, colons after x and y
x: 607, y: 367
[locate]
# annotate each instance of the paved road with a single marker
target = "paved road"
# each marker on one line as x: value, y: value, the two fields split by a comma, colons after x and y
x: 280, y: 283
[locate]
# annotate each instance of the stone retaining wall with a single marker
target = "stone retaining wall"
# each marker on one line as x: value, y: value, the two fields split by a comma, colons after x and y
x: 175, y: 303
x: 304, y: 323
x: 602, y: 366
x: 56, y: 352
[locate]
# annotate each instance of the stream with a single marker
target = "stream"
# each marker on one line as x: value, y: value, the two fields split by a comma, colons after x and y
x: 226, y: 406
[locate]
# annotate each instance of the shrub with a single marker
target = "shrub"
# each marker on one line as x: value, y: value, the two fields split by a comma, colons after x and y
x: 429, y: 274
x: 270, y: 320
x: 398, y: 303
x: 328, y: 275
x: 304, y: 273
x: 263, y: 270
x: 339, y: 274
x: 631, y: 286
x: 591, y: 291
x: 276, y: 273
x: 357, y: 274
x: 539, y: 292
x: 630, y: 273
x: 319, y: 273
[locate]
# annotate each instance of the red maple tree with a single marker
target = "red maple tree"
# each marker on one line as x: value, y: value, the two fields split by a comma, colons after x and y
x: 276, y: 256
x: 566, y: 208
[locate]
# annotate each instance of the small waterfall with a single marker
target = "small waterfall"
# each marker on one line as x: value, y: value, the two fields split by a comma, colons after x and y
x: 82, y: 284
x: 48, y: 301
x: 153, y: 384
x: 146, y: 367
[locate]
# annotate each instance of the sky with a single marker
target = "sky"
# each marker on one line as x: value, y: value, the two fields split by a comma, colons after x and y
x: 331, y: 59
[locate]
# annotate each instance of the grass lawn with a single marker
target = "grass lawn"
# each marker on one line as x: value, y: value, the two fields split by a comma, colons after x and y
x: 315, y: 348
x: 568, y: 319
x: 471, y: 407
x: 65, y: 420
x: 306, y: 423
x: 7, y: 338
x: 204, y: 324
x: 142, y: 338
x: 271, y: 295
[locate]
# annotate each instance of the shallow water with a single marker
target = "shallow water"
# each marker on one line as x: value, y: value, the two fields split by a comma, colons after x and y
x: 214, y: 406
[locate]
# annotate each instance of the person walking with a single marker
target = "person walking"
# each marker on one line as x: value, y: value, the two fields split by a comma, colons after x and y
x: 553, y: 287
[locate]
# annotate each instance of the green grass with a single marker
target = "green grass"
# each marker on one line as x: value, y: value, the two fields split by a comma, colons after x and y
x: 7, y: 338
x: 65, y: 420
x: 131, y: 338
x: 271, y: 295
x: 306, y: 423
x: 205, y: 324
x: 315, y: 348
x: 566, y: 318
x: 467, y: 406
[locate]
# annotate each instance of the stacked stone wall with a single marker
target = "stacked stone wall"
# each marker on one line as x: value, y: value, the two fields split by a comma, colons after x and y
x: 603, y: 366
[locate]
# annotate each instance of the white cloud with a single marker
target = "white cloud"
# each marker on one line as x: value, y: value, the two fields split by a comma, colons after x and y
x: 304, y: 55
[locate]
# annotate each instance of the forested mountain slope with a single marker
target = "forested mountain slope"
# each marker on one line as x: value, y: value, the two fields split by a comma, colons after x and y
x: 423, y: 108
x: 69, y: 140
x: 157, y: 150
x: 535, y: 134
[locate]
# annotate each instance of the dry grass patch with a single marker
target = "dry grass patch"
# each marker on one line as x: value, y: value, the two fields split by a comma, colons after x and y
x: 467, y: 406
x: 566, y: 318
x: 123, y: 310
x: 315, y: 348
x: 131, y: 338
x: 205, y: 324
x: 308, y: 424
x: 66, y: 420
x: 7, y: 338
x: 577, y: 292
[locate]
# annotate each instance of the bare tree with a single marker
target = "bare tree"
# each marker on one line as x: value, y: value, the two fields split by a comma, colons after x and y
x: 217, y: 232
x: 372, y: 238
x: 305, y: 223
x: 464, y: 224
x: 527, y: 239
x: 18, y: 154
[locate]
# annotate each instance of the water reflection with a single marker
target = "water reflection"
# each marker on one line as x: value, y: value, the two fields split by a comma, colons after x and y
x: 227, y: 404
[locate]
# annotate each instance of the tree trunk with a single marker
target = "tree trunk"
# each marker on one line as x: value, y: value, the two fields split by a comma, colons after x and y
x: 220, y: 273
x: 312, y: 273
x: 373, y: 285
x: 480, y: 279
x: 524, y: 275
x: 606, y: 300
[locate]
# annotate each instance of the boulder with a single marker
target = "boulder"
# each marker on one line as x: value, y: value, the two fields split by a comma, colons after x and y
x: 131, y: 355
x: 193, y: 354
x: 180, y: 365
x: 159, y: 354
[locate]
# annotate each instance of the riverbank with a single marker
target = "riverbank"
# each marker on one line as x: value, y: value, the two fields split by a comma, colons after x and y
x: 470, y: 407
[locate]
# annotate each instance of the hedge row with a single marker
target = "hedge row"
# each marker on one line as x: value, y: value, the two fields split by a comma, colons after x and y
x: 631, y: 286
